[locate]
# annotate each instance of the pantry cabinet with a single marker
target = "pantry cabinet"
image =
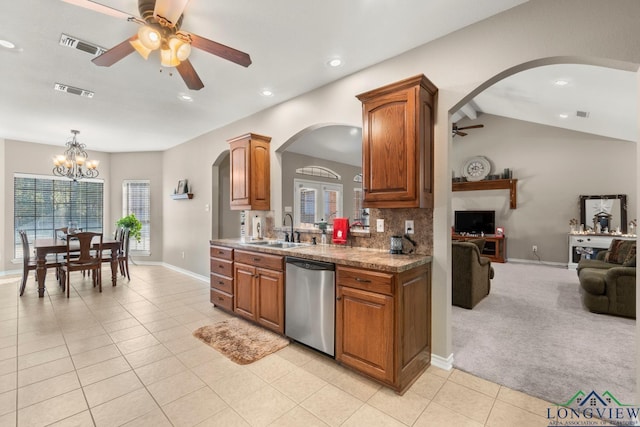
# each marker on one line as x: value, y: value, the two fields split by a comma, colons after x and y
x: 397, y: 144
x: 250, y: 163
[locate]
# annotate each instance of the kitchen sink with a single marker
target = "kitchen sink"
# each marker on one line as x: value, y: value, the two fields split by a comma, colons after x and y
x: 276, y: 244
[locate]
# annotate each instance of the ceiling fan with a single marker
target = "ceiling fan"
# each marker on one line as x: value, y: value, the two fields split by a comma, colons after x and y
x: 457, y: 131
x: 160, y: 29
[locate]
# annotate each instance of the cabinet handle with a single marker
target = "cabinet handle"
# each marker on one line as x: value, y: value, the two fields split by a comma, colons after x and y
x: 257, y: 259
x: 362, y: 280
x: 220, y: 299
x: 256, y: 276
x: 220, y: 266
x: 220, y: 282
x: 338, y: 299
x: 220, y: 253
x: 580, y: 240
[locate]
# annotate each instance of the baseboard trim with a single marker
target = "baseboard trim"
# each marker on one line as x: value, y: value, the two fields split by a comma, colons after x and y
x: 441, y: 362
x: 10, y: 272
x: 535, y: 262
x: 185, y: 272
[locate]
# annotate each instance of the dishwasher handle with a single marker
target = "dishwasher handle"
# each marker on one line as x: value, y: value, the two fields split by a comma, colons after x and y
x: 309, y: 264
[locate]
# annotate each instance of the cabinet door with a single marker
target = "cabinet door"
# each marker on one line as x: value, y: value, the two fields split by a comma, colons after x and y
x: 270, y: 299
x: 260, y: 176
x: 244, y: 303
x: 240, y: 162
x: 389, y: 149
x: 364, y: 332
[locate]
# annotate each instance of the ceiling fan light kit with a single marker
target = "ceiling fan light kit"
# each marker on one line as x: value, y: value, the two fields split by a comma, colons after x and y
x: 160, y: 29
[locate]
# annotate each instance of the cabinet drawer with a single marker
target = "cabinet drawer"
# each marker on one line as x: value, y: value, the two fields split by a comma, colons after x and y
x: 222, y: 267
x: 374, y: 281
x: 222, y: 283
x: 222, y: 299
x: 273, y: 262
x: 221, y: 252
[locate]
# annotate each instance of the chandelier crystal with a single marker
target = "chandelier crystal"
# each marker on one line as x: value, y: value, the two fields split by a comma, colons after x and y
x: 74, y: 163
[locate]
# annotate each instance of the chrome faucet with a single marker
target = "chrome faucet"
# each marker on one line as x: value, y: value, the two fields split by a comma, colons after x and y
x: 284, y: 221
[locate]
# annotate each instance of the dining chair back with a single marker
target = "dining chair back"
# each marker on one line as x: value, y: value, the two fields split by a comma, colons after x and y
x: 84, y: 253
x: 27, y: 263
x: 123, y: 257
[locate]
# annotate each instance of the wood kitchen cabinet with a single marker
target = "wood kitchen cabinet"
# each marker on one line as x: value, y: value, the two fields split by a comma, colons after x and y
x: 397, y: 144
x: 221, y: 276
x: 259, y: 288
x: 383, y: 323
x: 250, y: 172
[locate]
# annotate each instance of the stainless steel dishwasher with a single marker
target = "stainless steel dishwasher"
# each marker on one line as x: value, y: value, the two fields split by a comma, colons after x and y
x: 310, y: 303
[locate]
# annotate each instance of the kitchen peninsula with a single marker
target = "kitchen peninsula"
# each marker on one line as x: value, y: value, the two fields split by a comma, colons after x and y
x: 382, y: 301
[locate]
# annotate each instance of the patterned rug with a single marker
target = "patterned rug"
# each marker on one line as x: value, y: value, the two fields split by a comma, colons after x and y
x: 241, y: 341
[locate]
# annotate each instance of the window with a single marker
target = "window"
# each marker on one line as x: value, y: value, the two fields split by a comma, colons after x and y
x: 314, y: 201
x: 136, y: 199
x: 44, y: 203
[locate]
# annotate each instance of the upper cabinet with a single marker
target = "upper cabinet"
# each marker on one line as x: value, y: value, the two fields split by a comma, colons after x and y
x: 250, y: 172
x: 397, y: 144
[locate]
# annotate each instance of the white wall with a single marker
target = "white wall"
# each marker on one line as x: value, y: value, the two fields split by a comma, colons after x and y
x: 553, y: 167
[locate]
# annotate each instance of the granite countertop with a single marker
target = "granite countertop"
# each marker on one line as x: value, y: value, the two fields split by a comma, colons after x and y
x: 375, y: 259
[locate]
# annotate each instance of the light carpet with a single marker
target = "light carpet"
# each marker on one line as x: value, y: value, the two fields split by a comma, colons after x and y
x: 240, y: 341
x: 533, y: 334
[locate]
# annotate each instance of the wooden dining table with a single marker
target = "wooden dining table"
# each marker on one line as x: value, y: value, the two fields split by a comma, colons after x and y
x: 44, y: 247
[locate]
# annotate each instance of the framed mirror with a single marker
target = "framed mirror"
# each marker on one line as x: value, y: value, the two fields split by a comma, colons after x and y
x: 609, y: 211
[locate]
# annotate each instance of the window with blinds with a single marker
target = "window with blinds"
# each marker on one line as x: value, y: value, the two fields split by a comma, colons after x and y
x: 315, y: 201
x: 43, y: 203
x: 136, y: 199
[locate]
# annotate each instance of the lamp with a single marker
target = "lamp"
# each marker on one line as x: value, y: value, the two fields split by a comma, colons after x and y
x: 74, y: 163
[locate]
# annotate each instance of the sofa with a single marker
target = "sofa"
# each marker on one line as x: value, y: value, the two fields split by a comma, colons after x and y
x: 608, y: 283
x: 471, y: 273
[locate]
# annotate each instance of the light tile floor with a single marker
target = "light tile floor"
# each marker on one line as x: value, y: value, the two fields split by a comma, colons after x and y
x: 127, y: 357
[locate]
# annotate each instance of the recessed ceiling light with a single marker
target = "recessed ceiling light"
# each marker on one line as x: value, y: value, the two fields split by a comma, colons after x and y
x: 185, y: 98
x: 563, y: 115
x: 561, y: 82
x: 7, y: 44
x: 266, y: 92
x: 335, y: 62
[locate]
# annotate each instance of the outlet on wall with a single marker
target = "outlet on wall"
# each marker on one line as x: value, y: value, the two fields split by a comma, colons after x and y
x: 380, y: 225
x: 534, y: 248
x: 182, y: 254
x: 408, y: 227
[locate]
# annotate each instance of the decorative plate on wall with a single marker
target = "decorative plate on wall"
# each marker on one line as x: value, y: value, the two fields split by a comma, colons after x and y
x: 476, y: 168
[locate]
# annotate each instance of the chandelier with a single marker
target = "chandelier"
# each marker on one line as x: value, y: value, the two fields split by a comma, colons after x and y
x: 73, y: 164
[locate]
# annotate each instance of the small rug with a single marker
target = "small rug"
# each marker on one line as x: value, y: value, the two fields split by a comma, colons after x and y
x: 240, y: 341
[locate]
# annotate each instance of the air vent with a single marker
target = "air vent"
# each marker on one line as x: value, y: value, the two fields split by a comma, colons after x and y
x: 73, y: 90
x: 583, y: 114
x: 75, y: 43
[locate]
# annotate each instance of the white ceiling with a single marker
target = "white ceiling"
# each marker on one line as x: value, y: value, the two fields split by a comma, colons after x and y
x: 136, y: 108
x: 608, y: 96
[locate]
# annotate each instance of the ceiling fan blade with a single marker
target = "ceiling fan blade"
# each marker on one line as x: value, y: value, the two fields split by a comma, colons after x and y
x: 171, y: 10
x: 189, y: 75
x: 221, y: 50
x: 471, y: 127
x: 115, y: 54
x: 105, y: 10
x: 460, y: 133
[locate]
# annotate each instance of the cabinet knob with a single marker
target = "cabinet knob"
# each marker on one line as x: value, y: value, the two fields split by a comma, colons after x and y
x: 338, y: 298
x: 257, y: 259
x: 220, y: 282
x: 220, y: 299
x: 358, y: 279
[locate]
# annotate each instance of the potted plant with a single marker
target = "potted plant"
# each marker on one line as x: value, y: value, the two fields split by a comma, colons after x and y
x: 133, y: 224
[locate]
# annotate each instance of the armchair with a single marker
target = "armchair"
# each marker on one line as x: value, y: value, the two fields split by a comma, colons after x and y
x: 471, y: 274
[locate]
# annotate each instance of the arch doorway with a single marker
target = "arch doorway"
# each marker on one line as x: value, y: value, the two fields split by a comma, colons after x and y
x: 550, y: 180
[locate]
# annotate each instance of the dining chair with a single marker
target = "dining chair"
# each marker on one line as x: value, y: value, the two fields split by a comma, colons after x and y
x: 83, y: 254
x: 123, y: 256
x: 107, y: 255
x: 29, y: 264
